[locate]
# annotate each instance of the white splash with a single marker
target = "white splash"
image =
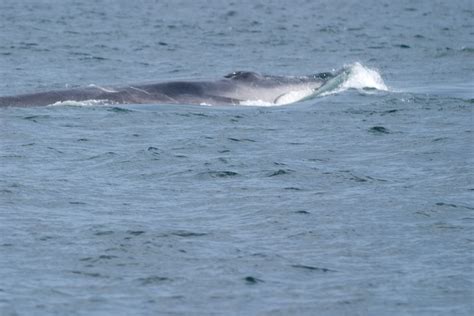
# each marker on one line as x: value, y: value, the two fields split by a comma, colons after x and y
x: 82, y: 103
x: 355, y: 76
x: 256, y: 103
x: 361, y: 77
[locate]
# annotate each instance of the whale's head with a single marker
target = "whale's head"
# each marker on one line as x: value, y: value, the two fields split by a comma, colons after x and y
x: 274, y: 89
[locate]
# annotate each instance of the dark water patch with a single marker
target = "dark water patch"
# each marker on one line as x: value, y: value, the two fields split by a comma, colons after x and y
x: 78, y: 53
x: 35, y: 118
x: 389, y: 111
x: 446, y: 204
x: 260, y: 255
x: 104, y: 155
x: 379, y: 130
x: 423, y: 213
x: 193, y: 114
x: 318, y: 159
x: 280, y: 172
x: 352, y: 29
x: 46, y: 238
x: 252, y: 280
x: 55, y: 150
x: 230, y: 13
x: 29, y: 144
x: 77, y: 203
x: 117, y: 109
x: 199, y: 114
x: 106, y: 257
x: 70, y: 125
x: 376, y: 47
x: 368, y: 89
x: 154, y: 150
x: 135, y: 232
x: 94, y: 58
x: 312, y: 268
x: 293, y: 189
x: 220, y: 174
x: 443, y: 225
x: 454, y: 205
x: 358, y: 178
x: 404, y: 46
x: 330, y: 29
x: 295, y: 143
x: 97, y: 259
x: 303, y: 212
x: 153, y: 280
x: 82, y: 140
x: 186, y: 233
x: 104, y: 233
x: 24, y: 45
x: 241, y: 139
x: 86, y: 259
x: 89, y: 274
x: 224, y: 151
x: 375, y: 179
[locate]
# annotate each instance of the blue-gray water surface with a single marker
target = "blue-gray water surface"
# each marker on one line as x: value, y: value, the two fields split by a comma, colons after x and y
x: 354, y: 203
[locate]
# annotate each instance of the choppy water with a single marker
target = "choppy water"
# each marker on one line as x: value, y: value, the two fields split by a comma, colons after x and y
x: 357, y: 202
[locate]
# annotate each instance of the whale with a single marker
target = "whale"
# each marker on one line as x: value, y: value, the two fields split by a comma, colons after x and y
x: 235, y: 88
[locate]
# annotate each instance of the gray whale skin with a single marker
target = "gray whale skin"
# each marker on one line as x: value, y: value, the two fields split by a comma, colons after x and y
x: 233, y: 89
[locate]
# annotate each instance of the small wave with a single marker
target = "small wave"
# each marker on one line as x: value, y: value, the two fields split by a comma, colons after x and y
x: 82, y: 103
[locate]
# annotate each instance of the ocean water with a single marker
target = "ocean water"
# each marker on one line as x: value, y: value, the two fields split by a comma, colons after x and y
x: 358, y: 201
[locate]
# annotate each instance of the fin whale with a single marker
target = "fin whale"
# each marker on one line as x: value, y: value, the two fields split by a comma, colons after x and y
x: 232, y: 89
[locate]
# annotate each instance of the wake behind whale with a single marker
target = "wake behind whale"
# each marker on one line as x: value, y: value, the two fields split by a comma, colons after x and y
x: 237, y: 88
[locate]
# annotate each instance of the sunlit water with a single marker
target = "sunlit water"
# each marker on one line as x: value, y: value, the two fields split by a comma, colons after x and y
x: 356, y: 200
